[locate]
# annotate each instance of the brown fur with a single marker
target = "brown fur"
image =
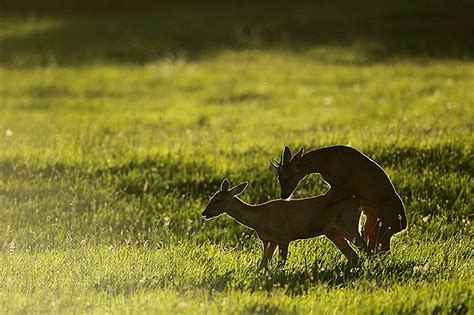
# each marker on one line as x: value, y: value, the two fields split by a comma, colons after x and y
x: 349, y: 173
x: 278, y: 222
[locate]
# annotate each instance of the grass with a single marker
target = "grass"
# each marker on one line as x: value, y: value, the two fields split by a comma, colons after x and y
x: 117, y: 125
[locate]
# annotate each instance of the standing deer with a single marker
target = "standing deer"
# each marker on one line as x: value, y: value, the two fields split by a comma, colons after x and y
x: 278, y: 222
x: 349, y: 172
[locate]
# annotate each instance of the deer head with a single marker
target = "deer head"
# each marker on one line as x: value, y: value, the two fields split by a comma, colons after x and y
x: 288, y: 171
x: 221, y: 200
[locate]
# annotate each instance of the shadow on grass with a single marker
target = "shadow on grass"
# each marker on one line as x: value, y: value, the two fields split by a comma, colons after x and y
x: 165, y: 175
x: 446, y: 158
x: 136, y: 195
x: 161, y: 175
x: 294, y: 281
x: 145, y: 32
x: 297, y: 281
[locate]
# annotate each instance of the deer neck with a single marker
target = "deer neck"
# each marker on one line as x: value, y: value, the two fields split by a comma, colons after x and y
x: 245, y: 213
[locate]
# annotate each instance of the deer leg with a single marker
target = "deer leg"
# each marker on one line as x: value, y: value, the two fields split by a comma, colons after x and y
x: 377, y: 233
x: 283, y: 248
x: 341, y: 243
x: 370, y: 234
x: 268, y: 249
x: 393, y: 220
x: 383, y: 221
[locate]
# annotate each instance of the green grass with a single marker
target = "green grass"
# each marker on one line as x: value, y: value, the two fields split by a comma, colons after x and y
x: 117, y: 125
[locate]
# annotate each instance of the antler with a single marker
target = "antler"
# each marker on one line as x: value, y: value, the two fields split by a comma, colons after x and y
x: 275, y: 164
x: 286, y: 155
x: 297, y: 156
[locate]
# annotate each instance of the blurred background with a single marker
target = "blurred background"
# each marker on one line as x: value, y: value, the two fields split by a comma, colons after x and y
x: 76, y: 32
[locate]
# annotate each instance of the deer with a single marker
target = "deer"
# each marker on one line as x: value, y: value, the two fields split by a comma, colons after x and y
x: 279, y: 222
x: 348, y: 172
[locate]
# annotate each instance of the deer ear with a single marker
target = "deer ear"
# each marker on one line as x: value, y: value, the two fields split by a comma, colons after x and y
x: 225, y: 185
x: 286, y: 156
x: 237, y: 190
x: 296, y: 158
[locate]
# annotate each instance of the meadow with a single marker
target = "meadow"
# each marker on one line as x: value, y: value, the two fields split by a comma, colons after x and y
x: 117, y: 125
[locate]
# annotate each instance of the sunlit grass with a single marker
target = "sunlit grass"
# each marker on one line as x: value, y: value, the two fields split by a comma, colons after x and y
x: 108, y: 155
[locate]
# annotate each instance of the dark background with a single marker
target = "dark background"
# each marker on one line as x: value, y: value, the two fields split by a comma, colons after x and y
x: 139, y: 31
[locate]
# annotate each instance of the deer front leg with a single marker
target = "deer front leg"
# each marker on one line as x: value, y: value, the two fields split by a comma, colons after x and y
x: 341, y: 243
x: 283, y: 248
x: 268, y: 249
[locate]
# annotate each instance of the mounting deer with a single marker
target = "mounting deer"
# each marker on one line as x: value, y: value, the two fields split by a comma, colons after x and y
x: 278, y: 222
x: 349, y: 172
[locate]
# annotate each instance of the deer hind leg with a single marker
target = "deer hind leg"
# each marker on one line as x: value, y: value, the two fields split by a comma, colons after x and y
x: 283, y: 248
x: 378, y: 234
x: 371, y: 228
x: 392, y: 214
x: 268, y: 249
x: 338, y: 239
x: 370, y: 233
x: 383, y: 222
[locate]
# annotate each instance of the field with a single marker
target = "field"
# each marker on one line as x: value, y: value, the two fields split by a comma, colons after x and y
x: 116, y: 126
